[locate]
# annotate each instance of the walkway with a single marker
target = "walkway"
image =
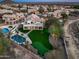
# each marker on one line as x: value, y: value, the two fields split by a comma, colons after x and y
x: 29, y: 32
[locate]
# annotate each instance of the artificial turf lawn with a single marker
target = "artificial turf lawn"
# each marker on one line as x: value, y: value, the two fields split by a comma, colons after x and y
x: 40, y: 47
x: 40, y: 39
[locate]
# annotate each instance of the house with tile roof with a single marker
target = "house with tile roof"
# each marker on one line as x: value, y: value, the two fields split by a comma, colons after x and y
x: 33, y: 22
x: 11, y: 19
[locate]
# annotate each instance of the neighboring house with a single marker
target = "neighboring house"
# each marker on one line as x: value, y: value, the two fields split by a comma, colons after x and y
x: 5, y: 11
x: 33, y: 22
x: 57, y: 13
x: 33, y: 10
x: 50, y: 13
x: 11, y: 19
x: 30, y: 22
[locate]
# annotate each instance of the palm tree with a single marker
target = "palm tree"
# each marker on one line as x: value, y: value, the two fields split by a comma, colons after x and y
x: 56, y: 32
x: 19, y: 6
x: 53, y: 25
x: 64, y: 16
x: 41, y: 9
x: 27, y: 9
x: 50, y: 21
x: 50, y: 9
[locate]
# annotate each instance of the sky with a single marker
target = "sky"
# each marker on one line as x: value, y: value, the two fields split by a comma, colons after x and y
x: 46, y: 0
x: 0, y: 0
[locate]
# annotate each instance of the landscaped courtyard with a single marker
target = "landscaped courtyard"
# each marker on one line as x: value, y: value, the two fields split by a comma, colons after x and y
x: 40, y: 39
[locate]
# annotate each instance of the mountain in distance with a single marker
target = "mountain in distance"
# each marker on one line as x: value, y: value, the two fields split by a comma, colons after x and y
x: 45, y: 0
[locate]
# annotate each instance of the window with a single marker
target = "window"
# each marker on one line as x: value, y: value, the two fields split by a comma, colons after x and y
x: 25, y: 27
x: 40, y: 27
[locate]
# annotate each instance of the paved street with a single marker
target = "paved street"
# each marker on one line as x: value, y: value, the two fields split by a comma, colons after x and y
x: 69, y: 41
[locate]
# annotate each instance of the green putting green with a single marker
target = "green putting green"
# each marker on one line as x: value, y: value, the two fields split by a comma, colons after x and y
x: 40, y: 39
x: 40, y: 47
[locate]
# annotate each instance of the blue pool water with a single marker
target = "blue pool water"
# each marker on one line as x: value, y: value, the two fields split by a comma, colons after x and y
x: 5, y: 30
x: 18, y: 39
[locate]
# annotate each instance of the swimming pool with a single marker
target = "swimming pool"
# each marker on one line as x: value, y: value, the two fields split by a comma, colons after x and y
x: 5, y: 30
x: 18, y: 39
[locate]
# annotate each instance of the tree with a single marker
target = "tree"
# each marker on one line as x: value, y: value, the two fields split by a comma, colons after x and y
x: 1, y: 35
x: 56, y: 32
x: 64, y: 15
x: 54, y: 27
x: 27, y: 8
x: 3, y: 44
x: 75, y: 6
x: 19, y: 6
x: 41, y: 9
x: 50, y: 21
x: 50, y: 9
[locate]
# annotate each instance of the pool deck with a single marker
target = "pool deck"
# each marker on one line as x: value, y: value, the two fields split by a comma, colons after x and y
x: 24, y: 35
x: 14, y: 33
